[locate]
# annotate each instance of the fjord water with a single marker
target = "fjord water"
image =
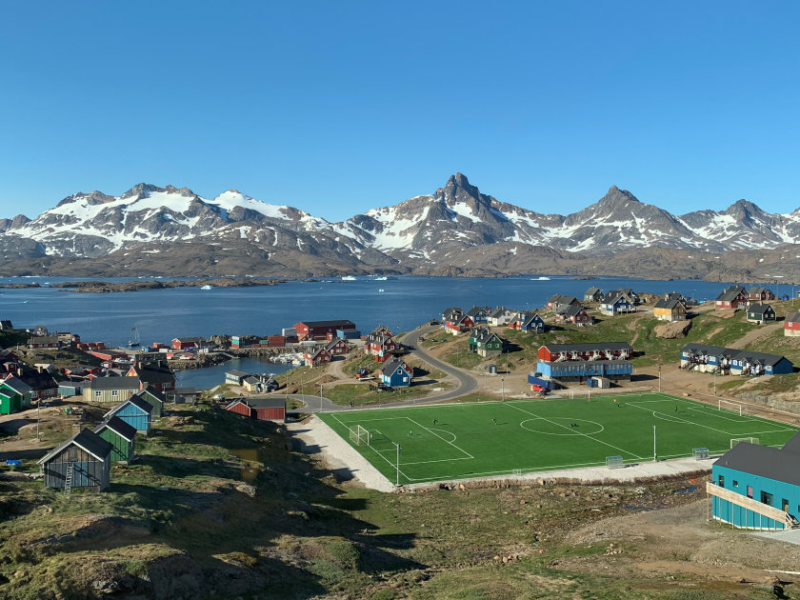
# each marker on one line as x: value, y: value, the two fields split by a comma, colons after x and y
x: 400, y: 304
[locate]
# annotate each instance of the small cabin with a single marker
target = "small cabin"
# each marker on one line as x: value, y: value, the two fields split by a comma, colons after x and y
x: 83, y: 461
x: 135, y: 412
x: 121, y: 436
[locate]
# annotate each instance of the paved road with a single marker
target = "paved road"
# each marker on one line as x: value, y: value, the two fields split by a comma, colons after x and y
x: 466, y: 383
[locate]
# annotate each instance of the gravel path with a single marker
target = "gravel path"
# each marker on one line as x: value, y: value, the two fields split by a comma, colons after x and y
x: 338, y: 454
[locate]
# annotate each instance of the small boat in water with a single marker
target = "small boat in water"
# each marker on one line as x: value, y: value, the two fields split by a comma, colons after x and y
x: 135, y: 342
x: 348, y: 278
x: 207, y: 287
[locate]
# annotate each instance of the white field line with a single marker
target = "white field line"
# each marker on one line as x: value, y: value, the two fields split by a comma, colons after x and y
x: 393, y: 465
x: 586, y: 435
x: 441, y: 438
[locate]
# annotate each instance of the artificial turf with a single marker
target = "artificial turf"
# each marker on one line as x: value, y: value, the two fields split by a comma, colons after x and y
x: 496, y: 438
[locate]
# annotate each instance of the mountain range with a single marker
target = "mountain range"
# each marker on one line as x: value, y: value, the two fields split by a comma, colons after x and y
x: 457, y: 230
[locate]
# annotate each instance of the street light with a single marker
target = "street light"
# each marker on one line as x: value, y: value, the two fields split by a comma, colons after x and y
x: 503, y: 380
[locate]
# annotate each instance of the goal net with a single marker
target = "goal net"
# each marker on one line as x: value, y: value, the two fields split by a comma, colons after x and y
x: 614, y: 462
x: 700, y: 453
x: 750, y: 440
x: 731, y: 406
x: 359, y: 436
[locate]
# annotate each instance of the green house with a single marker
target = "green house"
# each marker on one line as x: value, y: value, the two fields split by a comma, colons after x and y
x: 485, y: 343
x: 760, y: 313
x: 121, y: 436
x: 155, y: 399
x: 15, y: 395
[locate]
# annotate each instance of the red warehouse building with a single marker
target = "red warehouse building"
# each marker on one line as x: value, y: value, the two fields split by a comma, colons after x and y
x: 585, y: 352
x: 261, y: 409
x: 319, y: 330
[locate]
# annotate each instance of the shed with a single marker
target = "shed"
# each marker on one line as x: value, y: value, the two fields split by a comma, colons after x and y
x: 154, y: 398
x: 15, y: 395
x: 121, y: 436
x: 135, y: 412
x: 84, y: 460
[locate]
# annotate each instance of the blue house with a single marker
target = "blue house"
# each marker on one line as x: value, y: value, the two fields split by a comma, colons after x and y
x: 710, y: 359
x: 135, y: 412
x: 757, y: 487
x: 395, y: 373
x: 616, y: 304
x: 531, y: 323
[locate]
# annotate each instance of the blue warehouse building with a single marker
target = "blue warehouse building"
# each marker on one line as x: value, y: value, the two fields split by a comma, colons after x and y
x: 578, y: 370
x: 757, y: 487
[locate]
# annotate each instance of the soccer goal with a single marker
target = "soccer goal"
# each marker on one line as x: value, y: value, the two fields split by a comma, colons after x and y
x: 731, y: 406
x: 700, y: 453
x: 614, y: 462
x: 750, y: 440
x: 358, y: 435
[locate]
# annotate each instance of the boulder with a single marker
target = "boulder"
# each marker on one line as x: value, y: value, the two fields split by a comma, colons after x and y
x: 672, y: 331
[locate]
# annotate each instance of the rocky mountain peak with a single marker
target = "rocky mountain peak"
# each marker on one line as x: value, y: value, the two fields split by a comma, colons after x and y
x: 92, y: 198
x: 140, y: 190
x: 459, y: 189
x: 616, y: 196
x: 171, y: 189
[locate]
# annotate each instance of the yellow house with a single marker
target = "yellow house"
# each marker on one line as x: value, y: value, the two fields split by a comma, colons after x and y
x: 670, y: 309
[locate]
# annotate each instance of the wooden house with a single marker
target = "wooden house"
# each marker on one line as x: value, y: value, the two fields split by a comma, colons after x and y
x: 528, y: 322
x: 458, y: 324
x: 121, y: 436
x: 501, y: 316
x: 760, y: 313
x: 575, y: 314
x: 155, y: 373
x: 485, y: 343
x: 791, y: 326
x: 155, y: 399
x: 15, y: 395
x: 44, y: 342
x: 337, y: 347
x: 395, y: 373
x: 381, y: 346
x: 593, y: 294
x: 558, y: 301
x: 479, y: 314
x: 260, y: 409
x: 135, y: 412
x: 315, y: 358
x: 187, y: 342
x: 633, y: 296
x: 760, y: 294
x: 110, y: 389
x: 669, y: 310
x: 235, y: 377
x: 616, y: 303
x: 5, y: 325
x: 83, y: 461
x: 711, y: 359
x: 731, y: 297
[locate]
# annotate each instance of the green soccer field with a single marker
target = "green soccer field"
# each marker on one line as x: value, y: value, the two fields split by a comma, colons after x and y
x: 496, y: 438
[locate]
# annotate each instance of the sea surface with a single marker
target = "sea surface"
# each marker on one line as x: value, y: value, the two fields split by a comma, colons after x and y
x: 400, y: 304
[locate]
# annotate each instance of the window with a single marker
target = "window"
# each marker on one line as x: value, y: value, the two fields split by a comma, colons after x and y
x: 115, y: 392
x: 785, y: 505
x: 749, y: 491
x: 735, y: 483
x: 722, y: 481
x: 98, y: 394
x: 766, y: 498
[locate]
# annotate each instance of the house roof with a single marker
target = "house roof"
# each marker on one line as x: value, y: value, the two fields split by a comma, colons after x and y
x: 772, y: 463
x: 136, y: 401
x: 114, y: 383
x: 734, y: 354
x: 589, y: 347
x: 534, y: 317
x: 329, y: 324
x: 571, y: 310
x: 87, y: 440
x: 333, y: 343
x: 759, y: 291
x: 731, y: 293
x: 251, y: 380
x: 592, y: 291
x: 16, y: 384
x: 235, y: 373
x: 477, y: 310
x: 153, y: 392
x: 39, y: 381
x: 759, y: 309
x: 43, y: 339
x: 793, y: 317
x: 190, y: 340
x: 154, y: 373
x: 670, y: 303
x: 119, y: 427
x: 257, y: 403
x: 390, y: 366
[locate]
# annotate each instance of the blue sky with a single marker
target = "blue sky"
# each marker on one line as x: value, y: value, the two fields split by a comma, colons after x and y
x: 338, y: 107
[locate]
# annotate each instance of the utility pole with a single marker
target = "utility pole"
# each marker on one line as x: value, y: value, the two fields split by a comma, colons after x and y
x: 503, y: 380
x: 655, y: 453
x: 397, y: 477
x: 659, y: 378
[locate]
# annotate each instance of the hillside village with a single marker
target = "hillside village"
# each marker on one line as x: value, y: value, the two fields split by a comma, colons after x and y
x: 90, y: 430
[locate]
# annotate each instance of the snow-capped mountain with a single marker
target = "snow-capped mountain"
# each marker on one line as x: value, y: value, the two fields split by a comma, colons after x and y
x: 456, y: 229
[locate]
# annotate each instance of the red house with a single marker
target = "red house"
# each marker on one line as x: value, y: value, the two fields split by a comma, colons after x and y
x: 791, y: 326
x: 317, y: 357
x: 319, y: 330
x: 260, y: 409
x: 187, y: 342
x: 337, y: 347
x: 459, y: 324
x: 732, y: 297
x: 574, y: 313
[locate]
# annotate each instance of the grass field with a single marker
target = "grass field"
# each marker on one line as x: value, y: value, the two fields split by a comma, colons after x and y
x: 495, y: 438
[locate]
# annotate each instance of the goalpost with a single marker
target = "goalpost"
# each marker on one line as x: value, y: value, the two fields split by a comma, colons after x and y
x: 751, y: 440
x: 731, y: 406
x: 359, y: 436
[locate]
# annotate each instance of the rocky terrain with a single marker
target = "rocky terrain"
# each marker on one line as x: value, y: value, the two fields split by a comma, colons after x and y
x: 456, y: 231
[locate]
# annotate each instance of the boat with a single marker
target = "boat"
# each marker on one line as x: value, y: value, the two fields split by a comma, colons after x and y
x: 381, y: 279
x: 207, y: 287
x: 135, y: 342
x: 348, y: 278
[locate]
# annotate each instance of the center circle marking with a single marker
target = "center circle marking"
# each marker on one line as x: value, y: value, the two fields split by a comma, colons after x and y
x: 563, y: 423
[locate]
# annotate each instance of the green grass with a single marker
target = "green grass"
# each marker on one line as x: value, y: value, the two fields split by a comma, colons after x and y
x: 533, y: 435
x: 360, y: 394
